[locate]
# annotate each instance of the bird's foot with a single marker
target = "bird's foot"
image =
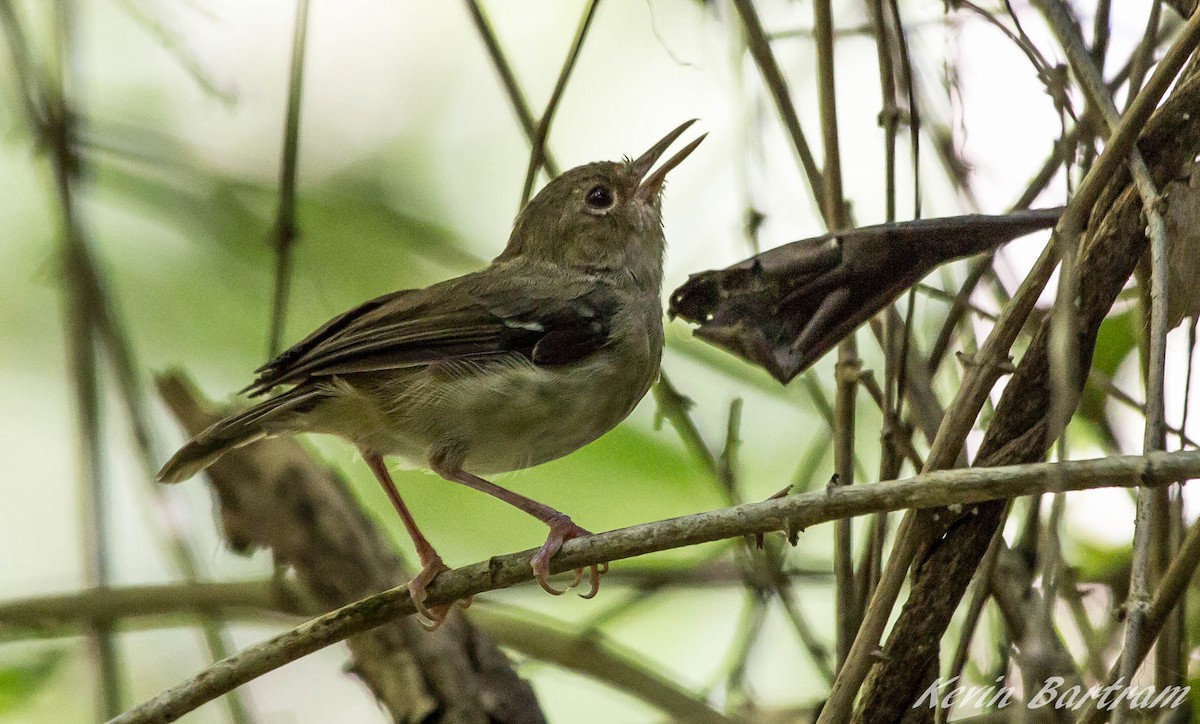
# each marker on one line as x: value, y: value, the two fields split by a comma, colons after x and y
x: 561, y: 530
x: 430, y: 618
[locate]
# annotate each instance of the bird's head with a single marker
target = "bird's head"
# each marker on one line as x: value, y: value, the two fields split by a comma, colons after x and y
x: 604, y: 216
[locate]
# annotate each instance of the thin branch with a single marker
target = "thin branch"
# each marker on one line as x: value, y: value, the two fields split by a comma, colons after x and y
x: 1171, y: 590
x: 1143, y: 57
x: 793, y: 512
x: 673, y: 407
x: 760, y: 49
x: 52, y: 123
x: 173, y: 43
x: 848, y: 366
x: 1105, y: 383
x: 592, y: 654
x: 979, y: 597
x: 124, y: 603
x: 542, y: 130
x: 509, y: 79
x: 285, y: 215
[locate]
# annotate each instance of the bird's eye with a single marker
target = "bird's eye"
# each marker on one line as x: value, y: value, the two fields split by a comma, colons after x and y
x: 599, y: 198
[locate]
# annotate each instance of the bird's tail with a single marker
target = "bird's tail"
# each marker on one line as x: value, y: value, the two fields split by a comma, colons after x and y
x: 263, y: 420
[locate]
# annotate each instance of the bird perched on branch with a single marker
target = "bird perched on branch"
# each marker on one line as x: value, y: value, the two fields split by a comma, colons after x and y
x: 522, y: 362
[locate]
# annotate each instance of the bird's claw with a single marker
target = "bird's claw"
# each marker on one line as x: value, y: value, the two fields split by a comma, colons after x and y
x: 430, y: 619
x: 560, y: 532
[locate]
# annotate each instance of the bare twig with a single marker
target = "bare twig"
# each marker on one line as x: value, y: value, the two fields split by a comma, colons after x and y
x: 53, y: 124
x: 760, y: 49
x: 173, y: 42
x: 592, y: 654
x: 1089, y: 75
x: 542, y: 130
x: 509, y: 79
x: 962, y: 487
x: 848, y: 365
x: 1170, y: 592
x: 285, y: 215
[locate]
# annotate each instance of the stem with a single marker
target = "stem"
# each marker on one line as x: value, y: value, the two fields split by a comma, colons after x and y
x: 285, y: 216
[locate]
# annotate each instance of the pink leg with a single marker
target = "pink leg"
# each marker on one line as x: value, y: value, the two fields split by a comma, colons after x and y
x: 431, y: 562
x: 562, y: 528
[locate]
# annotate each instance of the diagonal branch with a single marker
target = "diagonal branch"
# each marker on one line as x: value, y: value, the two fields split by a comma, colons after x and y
x: 509, y: 79
x: 542, y: 130
x: 791, y: 513
x: 285, y: 215
x: 591, y: 653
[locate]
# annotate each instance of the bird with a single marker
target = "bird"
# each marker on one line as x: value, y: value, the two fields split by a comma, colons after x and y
x: 518, y: 363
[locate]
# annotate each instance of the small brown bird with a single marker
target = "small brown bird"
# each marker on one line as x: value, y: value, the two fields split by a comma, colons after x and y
x: 522, y: 362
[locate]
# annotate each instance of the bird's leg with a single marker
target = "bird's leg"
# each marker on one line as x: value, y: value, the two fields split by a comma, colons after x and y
x: 431, y: 562
x: 562, y: 528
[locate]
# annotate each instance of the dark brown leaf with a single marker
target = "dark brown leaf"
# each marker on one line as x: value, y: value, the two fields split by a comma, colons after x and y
x: 785, y: 308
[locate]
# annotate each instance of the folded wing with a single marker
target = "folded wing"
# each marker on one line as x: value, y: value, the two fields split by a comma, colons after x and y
x: 461, y: 320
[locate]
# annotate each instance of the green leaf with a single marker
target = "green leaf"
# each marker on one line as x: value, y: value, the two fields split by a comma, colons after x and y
x: 20, y: 680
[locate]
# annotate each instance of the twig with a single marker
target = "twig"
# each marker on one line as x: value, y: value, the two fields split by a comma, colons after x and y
x: 673, y: 407
x: 979, y: 597
x: 848, y: 365
x: 509, y: 79
x: 285, y: 215
x: 172, y: 42
x: 962, y: 487
x: 593, y: 654
x: 1105, y: 383
x: 1143, y: 57
x: 1170, y: 592
x: 750, y: 624
x: 760, y: 49
x: 542, y: 130
x: 52, y: 122
x: 126, y: 603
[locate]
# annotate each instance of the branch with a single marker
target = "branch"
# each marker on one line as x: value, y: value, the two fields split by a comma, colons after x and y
x: 796, y: 512
x: 509, y: 79
x: 285, y: 215
x: 542, y: 130
x: 760, y: 48
x: 592, y: 653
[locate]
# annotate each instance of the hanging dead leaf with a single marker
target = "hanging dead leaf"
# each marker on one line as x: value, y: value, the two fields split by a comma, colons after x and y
x: 785, y: 308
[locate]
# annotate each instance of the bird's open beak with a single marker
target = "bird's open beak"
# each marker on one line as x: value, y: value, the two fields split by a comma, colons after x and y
x: 651, y: 184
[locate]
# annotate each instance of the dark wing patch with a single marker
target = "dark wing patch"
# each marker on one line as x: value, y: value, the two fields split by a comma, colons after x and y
x: 463, y: 322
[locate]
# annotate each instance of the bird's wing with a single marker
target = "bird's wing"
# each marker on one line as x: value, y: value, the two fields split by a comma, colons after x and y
x: 457, y: 321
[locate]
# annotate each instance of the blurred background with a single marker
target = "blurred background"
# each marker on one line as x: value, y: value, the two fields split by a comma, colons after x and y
x: 411, y: 162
